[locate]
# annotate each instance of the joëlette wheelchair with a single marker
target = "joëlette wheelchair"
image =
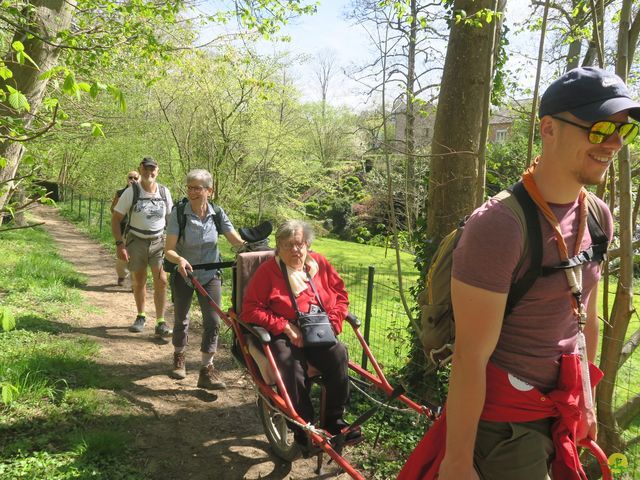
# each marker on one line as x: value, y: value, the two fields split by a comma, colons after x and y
x: 274, y: 404
x: 251, y: 348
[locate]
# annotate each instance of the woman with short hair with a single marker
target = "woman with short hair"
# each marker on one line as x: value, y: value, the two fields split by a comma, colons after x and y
x: 267, y: 303
x: 195, y: 249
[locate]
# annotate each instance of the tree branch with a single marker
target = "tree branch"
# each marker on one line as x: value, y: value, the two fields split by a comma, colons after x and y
x: 615, y: 253
x: 6, y: 229
x: 37, y: 134
x: 630, y: 346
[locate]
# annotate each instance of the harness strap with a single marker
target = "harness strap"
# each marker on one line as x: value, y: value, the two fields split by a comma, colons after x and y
x: 534, y: 233
x: 213, y: 266
x: 146, y: 232
x: 597, y: 252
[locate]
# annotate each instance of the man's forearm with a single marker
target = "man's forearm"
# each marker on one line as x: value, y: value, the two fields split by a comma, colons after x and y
x: 467, y: 389
x: 591, y: 329
x: 116, y: 231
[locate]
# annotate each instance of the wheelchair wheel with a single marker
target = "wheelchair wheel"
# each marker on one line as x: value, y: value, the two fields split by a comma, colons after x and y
x: 278, y: 433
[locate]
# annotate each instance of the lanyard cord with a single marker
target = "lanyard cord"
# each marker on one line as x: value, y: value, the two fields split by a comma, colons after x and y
x: 574, y: 275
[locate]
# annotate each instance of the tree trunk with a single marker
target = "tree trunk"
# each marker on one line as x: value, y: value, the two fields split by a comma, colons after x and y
x: 534, y: 105
x: 454, y: 166
x: 573, y: 54
x: 409, y: 130
x: 596, y: 49
x: 47, y: 18
x: 613, y: 335
x: 484, y: 129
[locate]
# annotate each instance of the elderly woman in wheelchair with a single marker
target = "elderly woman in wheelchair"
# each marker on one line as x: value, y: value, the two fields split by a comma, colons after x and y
x: 300, y: 299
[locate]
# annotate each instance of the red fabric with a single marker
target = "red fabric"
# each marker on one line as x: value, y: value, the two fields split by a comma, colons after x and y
x: 504, y: 403
x: 267, y: 303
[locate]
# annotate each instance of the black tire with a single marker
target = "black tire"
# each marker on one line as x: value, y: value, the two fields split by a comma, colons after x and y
x: 278, y: 433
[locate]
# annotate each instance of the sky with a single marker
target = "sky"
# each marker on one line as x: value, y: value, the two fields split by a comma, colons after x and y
x: 327, y: 32
x: 330, y: 32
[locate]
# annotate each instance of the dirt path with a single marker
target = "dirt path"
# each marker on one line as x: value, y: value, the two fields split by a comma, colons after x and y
x: 188, y: 433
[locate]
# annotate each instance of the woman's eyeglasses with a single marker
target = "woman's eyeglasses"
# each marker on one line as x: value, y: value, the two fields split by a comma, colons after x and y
x: 133, y: 178
x: 195, y: 188
x: 294, y: 245
x: 600, y: 131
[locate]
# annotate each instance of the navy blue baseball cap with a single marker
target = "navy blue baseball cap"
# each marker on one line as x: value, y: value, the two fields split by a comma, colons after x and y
x: 148, y: 162
x: 589, y: 93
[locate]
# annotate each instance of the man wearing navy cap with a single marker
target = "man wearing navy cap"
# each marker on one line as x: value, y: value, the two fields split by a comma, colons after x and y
x: 148, y: 205
x: 519, y: 396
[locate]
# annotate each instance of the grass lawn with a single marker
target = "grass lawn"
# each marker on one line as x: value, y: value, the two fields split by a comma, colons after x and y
x: 58, y: 419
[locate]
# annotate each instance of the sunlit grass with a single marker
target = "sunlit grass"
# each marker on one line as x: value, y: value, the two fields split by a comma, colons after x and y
x: 58, y: 417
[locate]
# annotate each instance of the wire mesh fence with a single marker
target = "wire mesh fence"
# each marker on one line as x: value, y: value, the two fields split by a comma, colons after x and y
x: 374, y: 298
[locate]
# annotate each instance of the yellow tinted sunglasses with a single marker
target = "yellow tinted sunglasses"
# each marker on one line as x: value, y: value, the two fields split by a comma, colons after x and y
x: 600, y: 131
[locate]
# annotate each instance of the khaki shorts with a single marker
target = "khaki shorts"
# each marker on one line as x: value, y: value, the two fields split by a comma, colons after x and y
x: 514, y: 451
x: 144, y: 251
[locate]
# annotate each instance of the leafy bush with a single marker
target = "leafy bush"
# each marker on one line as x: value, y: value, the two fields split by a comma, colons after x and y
x: 507, y: 160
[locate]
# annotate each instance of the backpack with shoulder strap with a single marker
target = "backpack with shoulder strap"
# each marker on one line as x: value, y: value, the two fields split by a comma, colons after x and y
x: 136, y: 196
x: 438, y: 329
x: 182, y: 218
x: 179, y: 207
x: 125, y: 220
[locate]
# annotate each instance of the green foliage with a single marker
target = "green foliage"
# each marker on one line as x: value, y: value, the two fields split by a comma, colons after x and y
x: 507, y: 160
x: 21, y: 54
x: 238, y: 121
x: 107, y: 39
x: 478, y: 19
x: 9, y: 392
x: 66, y: 466
x: 7, y: 320
x: 395, y: 433
x: 338, y: 212
x: 32, y: 365
x: 267, y: 16
x: 333, y: 204
x: 17, y: 100
x: 58, y: 417
x: 500, y: 78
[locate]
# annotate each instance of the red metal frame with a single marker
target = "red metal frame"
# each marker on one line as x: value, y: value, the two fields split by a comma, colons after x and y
x: 283, y: 402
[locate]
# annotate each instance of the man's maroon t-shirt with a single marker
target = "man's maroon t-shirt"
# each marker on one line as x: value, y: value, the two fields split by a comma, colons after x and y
x: 542, y: 326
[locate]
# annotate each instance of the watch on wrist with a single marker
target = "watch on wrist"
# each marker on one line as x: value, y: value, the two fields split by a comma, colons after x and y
x: 119, y: 242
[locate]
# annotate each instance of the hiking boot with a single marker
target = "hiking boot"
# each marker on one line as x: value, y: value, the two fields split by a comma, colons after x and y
x: 209, y: 379
x: 162, y: 330
x: 179, y: 371
x: 138, y: 324
x: 120, y: 281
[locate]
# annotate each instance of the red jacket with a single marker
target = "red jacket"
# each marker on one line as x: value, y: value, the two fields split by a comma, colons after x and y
x: 504, y: 403
x: 267, y: 303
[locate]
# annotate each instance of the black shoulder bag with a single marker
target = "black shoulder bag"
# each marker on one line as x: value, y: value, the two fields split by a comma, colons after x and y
x: 315, y: 327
